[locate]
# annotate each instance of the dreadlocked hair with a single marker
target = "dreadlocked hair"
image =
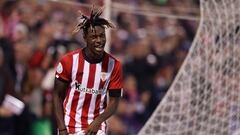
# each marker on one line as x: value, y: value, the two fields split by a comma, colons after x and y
x: 94, y: 20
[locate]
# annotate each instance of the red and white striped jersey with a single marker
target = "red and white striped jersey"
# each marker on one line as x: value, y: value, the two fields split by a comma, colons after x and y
x: 88, y: 85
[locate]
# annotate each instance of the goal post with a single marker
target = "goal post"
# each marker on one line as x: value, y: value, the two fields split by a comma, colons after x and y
x: 107, y: 15
x: 204, y: 98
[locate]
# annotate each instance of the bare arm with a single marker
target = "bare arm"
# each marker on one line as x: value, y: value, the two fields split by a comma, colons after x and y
x: 58, y: 98
x: 110, y: 110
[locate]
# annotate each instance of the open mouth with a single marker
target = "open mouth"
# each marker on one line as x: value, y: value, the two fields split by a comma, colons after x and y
x: 99, y: 48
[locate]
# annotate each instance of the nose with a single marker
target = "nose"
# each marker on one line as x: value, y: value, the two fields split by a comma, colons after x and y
x: 98, y: 39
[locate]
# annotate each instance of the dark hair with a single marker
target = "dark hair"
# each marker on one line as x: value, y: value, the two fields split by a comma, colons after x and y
x: 93, y: 20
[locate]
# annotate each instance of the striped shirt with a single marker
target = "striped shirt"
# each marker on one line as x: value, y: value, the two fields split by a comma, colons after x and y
x: 88, y: 85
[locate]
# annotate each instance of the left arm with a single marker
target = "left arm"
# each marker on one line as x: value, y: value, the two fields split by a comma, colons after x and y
x: 110, y: 110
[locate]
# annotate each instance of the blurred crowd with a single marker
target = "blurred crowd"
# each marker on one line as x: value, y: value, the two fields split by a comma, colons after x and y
x: 34, y: 34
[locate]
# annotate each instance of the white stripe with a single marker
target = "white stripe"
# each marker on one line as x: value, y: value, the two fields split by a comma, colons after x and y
x: 100, y: 132
x: 85, y: 74
x: 94, y: 96
x: 82, y: 95
x: 69, y: 103
x: 111, y: 64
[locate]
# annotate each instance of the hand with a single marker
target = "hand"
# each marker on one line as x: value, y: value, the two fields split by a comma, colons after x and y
x: 64, y: 132
x: 93, y: 127
x: 4, y: 112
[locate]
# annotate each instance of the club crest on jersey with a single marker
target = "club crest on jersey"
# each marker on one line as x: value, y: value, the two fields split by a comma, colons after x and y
x: 59, y: 68
x: 104, y: 76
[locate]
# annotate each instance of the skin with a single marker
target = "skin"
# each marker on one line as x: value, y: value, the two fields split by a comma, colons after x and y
x: 58, y: 98
x: 96, y: 41
x: 95, y: 49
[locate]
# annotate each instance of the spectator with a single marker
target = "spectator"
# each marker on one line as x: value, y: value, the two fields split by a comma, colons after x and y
x: 6, y: 87
x: 8, y: 19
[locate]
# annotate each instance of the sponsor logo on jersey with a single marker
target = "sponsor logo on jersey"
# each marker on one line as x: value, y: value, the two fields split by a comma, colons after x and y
x: 88, y: 90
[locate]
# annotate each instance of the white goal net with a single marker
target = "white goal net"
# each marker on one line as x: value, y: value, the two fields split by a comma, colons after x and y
x: 204, y: 98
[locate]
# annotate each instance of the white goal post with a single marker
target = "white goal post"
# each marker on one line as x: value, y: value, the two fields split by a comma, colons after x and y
x: 204, y: 98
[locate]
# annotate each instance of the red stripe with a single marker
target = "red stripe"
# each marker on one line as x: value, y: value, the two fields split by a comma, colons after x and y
x: 104, y: 106
x: 66, y: 100
x: 105, y: 102
x: 72, y: 121
x: 97, y: 106
x: 75, y: 99
x: 80, y: 68
x: 69, y: 89
x: 91, y: 76
x: 88, y: 97
x: 98, y: 100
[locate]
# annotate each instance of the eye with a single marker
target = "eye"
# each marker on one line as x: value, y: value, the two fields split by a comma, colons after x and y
x: 93, y: 36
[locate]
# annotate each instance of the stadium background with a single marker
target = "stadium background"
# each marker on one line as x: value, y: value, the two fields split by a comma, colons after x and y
x: 151, y: 40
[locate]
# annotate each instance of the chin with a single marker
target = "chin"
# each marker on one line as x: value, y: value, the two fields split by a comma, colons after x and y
x: 99, y: 52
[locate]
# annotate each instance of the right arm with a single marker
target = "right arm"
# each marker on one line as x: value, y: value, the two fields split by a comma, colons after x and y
x: 58, y: 97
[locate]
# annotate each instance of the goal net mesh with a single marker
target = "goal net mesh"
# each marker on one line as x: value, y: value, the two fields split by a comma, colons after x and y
x: 204, y: 98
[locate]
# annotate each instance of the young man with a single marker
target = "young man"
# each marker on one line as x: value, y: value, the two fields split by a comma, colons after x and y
x: 83, y: 79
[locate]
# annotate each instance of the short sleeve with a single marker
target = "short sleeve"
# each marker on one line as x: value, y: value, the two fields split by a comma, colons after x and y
x: 63, y: 69
x: 116, y: 77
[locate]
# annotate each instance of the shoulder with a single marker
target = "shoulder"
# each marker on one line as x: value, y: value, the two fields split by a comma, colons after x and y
x: 117, y: 65
x: 113, y: 58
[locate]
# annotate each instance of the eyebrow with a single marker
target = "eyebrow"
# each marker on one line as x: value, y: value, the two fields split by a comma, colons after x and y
x: 96, y: 34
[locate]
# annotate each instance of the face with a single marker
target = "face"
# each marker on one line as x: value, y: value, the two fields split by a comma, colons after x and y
x: 96, y: 40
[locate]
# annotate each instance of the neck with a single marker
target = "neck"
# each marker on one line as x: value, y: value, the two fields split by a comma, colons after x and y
x: 92, y: 57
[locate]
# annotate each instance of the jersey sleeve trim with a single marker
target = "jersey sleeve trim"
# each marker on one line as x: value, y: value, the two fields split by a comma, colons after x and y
x: 115, y: 92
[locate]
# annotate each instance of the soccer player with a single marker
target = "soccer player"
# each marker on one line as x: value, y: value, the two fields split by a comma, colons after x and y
x: 83, y: 79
